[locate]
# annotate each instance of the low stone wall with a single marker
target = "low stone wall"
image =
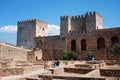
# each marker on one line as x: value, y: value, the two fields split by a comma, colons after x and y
x: 110, y: 72
x: 57, y: 70
x: 110, y: 63
x: 19, y: 71
x: 11, y: 71
x: 78, y: 70
x: 83, y: 65
x: 51, y: 77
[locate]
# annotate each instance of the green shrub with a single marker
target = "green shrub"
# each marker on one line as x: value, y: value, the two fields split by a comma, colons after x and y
x: 68, y: 55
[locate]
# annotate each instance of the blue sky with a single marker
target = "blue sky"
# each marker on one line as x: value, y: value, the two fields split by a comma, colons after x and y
x: 50, y: 11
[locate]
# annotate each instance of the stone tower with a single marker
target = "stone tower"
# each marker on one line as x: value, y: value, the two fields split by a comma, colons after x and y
x: 28, y: 30
x: 93, y: 21
x: 81, y: 23
x: 65, y: 25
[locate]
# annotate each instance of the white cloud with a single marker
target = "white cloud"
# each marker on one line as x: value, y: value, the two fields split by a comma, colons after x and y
x: 52, y: 29
x: 8, y: 29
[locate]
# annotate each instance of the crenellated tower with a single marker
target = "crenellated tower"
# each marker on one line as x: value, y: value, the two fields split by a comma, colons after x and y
x: 81, y: 23
x: 65, y: 25
x: 28, y: 30
x: 93, y: 21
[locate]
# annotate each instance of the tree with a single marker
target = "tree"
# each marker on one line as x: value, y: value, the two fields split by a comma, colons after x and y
x: 114, y: 49
x: 68, y: 55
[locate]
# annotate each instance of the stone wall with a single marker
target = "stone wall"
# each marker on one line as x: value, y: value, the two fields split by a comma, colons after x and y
x: 91, y: 42
x: 51, y: 77
x: 34, y: 55
x: 78, y: 70
x: 51, y: 46
x: 110, y: 72
x: 11, y: 71
x: 12, y: 52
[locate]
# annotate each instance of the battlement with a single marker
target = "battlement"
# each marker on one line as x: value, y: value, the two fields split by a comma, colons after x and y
x: 31, y: 21
x: 64, y: 17
x: 88, y: 22
x: 78, y: 17
x: 74, y: 33
x: 90, y: 14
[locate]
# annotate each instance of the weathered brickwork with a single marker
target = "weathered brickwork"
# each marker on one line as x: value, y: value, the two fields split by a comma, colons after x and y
x: 91, y: 40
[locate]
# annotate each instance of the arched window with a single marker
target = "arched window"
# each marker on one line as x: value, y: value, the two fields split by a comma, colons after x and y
x: 114, y: 40
x: 73, y: 45
x: 83, y: 45
x: 101, y: 43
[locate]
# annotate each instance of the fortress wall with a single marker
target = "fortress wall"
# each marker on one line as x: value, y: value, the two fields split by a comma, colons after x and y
x: 51, y: 47
x: 12, y: 52
x: 91, y: 41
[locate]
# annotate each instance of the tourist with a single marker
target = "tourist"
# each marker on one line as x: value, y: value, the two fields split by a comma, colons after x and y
x: 36, y: 58
x: 93, y: 58
x: 57, y: 63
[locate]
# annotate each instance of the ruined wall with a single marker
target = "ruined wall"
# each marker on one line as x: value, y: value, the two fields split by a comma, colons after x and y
x: 12, y: 52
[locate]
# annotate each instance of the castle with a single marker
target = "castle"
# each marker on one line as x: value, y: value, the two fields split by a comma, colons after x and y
x: 79, y: 34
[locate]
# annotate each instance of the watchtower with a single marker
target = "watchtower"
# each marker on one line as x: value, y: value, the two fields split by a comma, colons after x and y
x: 93, y: 21
x: 28, y: 30
x: 65, y: 25
x: 81, y: 23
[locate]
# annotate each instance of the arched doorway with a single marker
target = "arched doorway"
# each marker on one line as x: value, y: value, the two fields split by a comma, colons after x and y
x: 114, y: 40
x: 100, y: 43
x: 73, y: 45
x: 83, y: 45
